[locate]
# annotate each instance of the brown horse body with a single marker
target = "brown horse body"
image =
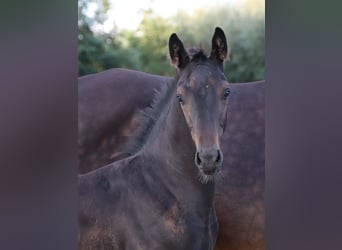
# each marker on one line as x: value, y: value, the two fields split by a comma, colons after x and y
x: 108, y: 109
x: 162, y: 197
x: 239, y: 193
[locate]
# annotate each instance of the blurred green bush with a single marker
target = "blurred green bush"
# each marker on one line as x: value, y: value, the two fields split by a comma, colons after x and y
x: 145, y: 49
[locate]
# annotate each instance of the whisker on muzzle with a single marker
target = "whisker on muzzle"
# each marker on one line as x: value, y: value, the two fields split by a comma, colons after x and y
x: 204, y: 179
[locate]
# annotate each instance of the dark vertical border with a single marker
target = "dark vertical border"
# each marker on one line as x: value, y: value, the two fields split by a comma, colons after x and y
x: 38, y: 117
x: 303, y: 125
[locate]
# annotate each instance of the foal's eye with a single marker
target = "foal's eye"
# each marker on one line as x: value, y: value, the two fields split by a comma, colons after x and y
x: 180, y: 98
x: 226, y: 93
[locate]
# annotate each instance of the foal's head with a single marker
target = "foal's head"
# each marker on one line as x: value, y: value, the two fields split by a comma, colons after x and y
x: 202, y: 91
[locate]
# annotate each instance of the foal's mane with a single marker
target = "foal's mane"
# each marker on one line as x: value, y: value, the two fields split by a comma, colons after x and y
x: 150, y: 115
x: 196, y: 54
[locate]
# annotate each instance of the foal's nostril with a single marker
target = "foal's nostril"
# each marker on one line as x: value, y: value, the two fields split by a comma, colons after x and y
x: 218, y: 158
x: 198, y: 159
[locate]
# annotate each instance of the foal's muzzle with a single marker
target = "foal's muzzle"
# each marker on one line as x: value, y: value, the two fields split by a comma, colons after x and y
x: 208, y: 160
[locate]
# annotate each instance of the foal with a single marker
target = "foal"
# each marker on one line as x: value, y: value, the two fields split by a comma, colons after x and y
x: 162, y: 196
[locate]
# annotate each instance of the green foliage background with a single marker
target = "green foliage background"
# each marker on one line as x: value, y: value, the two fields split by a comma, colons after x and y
x: 145, y: 49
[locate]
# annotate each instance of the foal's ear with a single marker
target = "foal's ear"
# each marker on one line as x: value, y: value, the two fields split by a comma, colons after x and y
x: 178, y: 54
x: 219, y: 48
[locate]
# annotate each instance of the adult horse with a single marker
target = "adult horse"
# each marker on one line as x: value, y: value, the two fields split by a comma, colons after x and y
x: 239, y: 193
x: 162, y: 197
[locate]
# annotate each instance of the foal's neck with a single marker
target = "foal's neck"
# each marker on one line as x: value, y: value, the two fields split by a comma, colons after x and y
x: 177, y: 150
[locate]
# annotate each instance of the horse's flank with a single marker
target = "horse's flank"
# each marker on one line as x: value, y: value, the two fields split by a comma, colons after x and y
x: 104, y: 125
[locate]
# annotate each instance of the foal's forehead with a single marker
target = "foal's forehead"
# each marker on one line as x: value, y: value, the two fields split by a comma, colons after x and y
x: 204, y: 76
